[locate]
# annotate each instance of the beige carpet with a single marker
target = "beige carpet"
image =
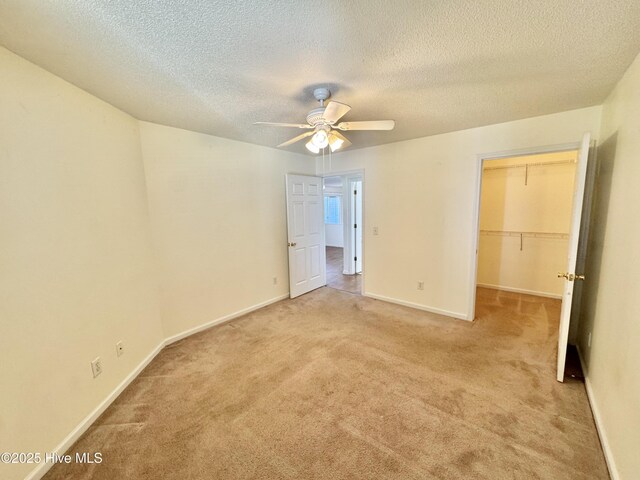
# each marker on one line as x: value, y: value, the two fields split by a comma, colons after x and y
x: 336, y: 386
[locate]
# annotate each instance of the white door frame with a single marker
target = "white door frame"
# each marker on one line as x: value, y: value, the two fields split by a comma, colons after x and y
x: 476, y: 206
x: 348, y: 173
x: 352, y: 233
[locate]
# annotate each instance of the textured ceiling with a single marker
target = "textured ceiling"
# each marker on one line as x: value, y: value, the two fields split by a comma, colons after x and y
x: 433, y: 66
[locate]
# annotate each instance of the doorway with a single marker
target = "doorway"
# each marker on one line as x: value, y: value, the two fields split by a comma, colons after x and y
x: 534, y: 206
x: 525, y: 216
x: 343, y: 231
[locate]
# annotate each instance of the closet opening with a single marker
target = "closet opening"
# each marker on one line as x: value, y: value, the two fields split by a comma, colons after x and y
x: 530, y: 232
x: 525, y: 217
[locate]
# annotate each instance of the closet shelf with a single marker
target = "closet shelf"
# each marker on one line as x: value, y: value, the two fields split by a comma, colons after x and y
x: 522, y: 235
x: 526, y: 167
x: 531, y: 164
x: 512, y: 233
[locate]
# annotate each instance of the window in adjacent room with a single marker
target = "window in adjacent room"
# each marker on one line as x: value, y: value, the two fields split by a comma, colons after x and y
x: 332, y: 210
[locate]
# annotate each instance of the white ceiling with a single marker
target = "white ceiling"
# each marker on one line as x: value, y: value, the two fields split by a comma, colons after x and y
x: 434, y: 66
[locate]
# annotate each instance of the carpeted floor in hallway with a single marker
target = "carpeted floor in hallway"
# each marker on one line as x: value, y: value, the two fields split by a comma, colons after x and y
x: 332, y: 385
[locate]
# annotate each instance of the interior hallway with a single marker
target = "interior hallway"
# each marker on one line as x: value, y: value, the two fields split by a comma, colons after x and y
x: 335, y: 277
x: 333, y: 385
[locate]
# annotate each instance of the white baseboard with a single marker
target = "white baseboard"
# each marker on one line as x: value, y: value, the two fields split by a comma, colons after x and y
x: 83, y: 426
x: 223, y: 319
x: 349, y: 272
x: 606, y: 448
x: 426, y: 308
x: 521, y: 290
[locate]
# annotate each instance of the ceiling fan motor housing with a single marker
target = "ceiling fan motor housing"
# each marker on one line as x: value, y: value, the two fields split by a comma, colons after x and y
x: 321, y: 94
x: 315, y: 116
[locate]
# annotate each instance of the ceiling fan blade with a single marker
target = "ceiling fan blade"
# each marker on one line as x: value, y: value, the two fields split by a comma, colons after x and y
x: 345, y: 140
x: 369, y: 125
x: 334, y: 111
x: 292, y: 125
x: 296, y: 139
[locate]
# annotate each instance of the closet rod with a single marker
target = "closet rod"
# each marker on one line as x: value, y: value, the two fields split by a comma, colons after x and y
x: 521, y: 235
x: 512, y: 233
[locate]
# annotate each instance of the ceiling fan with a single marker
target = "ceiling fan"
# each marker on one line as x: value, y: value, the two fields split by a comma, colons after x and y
x: 321, y: 122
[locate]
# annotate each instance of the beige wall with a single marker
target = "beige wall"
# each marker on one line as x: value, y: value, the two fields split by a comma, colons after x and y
x: 611, y: 303
x: 421, y: 195
x: 76, y: 272
x: 219, y: 223
x: 542, y: 205
x: 334, y: 234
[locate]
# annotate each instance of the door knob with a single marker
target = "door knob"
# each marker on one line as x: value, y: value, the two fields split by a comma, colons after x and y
x: 292, y: 244
x: 570, y: 276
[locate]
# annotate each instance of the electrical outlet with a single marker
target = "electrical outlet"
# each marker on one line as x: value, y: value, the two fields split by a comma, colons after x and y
x: 420, y: 285
x: 96, y: 367
x: 589, y: 340
x: 275, y: 280
x: 119, y: 348
x: 375, y: 230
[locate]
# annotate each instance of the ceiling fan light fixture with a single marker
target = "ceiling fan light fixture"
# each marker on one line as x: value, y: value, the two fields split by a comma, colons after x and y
x: 312, y: 147
x: 335, y: 143
x: 320, y: 139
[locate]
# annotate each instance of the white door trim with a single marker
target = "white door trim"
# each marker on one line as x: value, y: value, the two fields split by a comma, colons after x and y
x: 349, y: 234
x: 471, y: 311
x: 355, y: 219
x: 352, y: 173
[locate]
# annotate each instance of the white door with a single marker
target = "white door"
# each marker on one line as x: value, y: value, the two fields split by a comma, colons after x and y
x: 574, y: 235
x: 305, y: 226
x: 357, y: 231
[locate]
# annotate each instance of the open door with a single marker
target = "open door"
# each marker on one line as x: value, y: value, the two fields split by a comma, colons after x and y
x: 570, y: 275
x: 356, y: 216
x: 305, y: 227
